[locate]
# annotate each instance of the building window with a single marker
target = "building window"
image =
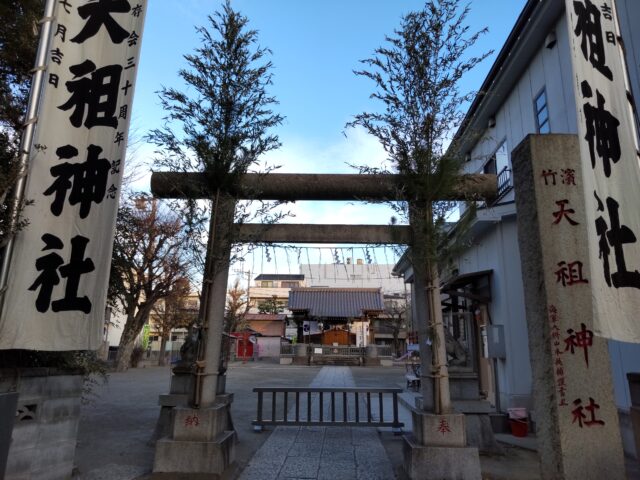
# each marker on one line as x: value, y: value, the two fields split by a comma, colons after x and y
x: 542, y: 112
x: 266, y: 284
x: 499, y: 161
x: 290, y: 284
x: 498, y: 165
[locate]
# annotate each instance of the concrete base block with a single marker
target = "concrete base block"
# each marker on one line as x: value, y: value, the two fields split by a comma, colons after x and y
x: 480, y: 434
x: 286, y: 360
x: 386, y: 362
x: 195, y: 458
x: 182, y: 383
x: 440, y: 463
x: 200, y: 425
x: 439, y: 430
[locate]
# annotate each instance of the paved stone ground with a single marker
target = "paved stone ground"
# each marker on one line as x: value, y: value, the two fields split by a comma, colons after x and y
x: 114, y: 432
x: 346, y: 453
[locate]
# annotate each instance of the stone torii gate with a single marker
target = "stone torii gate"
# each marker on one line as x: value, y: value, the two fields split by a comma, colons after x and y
x: 213, y: 403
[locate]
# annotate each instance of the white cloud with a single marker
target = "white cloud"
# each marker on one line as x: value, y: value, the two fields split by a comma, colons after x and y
x: 304, y: 156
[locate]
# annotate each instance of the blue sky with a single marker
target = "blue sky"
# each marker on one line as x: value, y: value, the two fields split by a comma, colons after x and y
x: 315, y: 45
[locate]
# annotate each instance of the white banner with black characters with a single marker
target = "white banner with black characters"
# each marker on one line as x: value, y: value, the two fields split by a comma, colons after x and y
x: 60, y: 266
x: 610, y: 163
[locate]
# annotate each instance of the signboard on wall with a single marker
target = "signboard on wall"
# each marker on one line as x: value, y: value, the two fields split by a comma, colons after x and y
x: 610, y: 166
x: 60, y: 266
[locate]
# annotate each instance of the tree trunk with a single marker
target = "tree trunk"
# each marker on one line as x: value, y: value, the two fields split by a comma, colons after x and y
x: 395, y: 342
x: 443, y: 395
x: 125, y: 348
x: 132, y: 328
x: 427, y: 284
x: 163, y: 347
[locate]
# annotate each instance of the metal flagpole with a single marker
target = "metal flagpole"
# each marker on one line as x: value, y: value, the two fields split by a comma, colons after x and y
x: 27, y: 137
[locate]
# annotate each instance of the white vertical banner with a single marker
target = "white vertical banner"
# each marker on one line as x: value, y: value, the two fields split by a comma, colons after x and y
x: 59, y: 270
x: 611, y: 172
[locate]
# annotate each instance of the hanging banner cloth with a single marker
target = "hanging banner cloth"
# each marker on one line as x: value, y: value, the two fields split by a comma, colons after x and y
x: 60, y: 266
x: 610, y: 167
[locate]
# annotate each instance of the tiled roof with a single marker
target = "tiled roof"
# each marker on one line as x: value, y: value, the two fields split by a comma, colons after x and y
x: 265, y: 316
x: 276, y: 276
x: 336, y: 302
x: 272, y: 328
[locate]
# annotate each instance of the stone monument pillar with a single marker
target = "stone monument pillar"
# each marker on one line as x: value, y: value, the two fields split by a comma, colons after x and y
x: 577, y: 419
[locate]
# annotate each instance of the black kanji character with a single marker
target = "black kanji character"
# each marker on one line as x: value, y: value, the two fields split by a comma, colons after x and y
x: 48, y: 266
x: 125, y: 88
x: 133, y: 39
x: 99, y: 94
x: 99, y: 14
x: 54, y: 79
x: 615, y: 236
x: 115, y: 167
x: 589, y: 27
x: 77, y: 266
x: 137, y: 10
x: 130, y: 63
x: 87, y: 181
x: 123, y: 111
x: 61, y: 31
x: 119, y: 138
x: 601, y: 131
x: 66, y: 5
x: 56, y: 56
x: 111, y: 193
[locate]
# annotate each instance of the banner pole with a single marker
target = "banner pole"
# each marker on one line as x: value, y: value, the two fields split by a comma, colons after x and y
x: 27, y: 138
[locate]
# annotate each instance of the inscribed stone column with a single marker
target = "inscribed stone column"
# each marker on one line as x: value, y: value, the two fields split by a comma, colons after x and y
x: 577, y: 419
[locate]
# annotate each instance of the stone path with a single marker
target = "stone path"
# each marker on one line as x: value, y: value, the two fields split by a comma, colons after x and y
x: 322, y: 453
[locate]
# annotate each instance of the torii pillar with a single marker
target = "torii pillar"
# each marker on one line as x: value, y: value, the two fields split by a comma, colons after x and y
x: 202, y: 436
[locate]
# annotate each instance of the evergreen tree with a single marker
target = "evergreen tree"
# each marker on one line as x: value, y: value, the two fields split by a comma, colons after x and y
x: 18, y: 42
x: 416, y: 76
x: 223, y: 125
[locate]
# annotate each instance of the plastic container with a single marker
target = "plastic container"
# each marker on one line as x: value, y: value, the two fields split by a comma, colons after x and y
x: 518, y: 421
x: 519, y: 428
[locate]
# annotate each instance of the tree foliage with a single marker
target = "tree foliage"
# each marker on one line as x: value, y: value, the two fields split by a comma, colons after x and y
x: 148, y: 263
x: 236, y: 308
x: 397, y: 315
x: 417, y: 82
x: 18, y: 41
x: 175, y: 311
x: 223, y: 125
x: 271, y: 305
x: 416, y: 77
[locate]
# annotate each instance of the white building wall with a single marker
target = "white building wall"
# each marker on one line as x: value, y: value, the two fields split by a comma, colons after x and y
x: 497, y: 250
x: 549, y: 69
